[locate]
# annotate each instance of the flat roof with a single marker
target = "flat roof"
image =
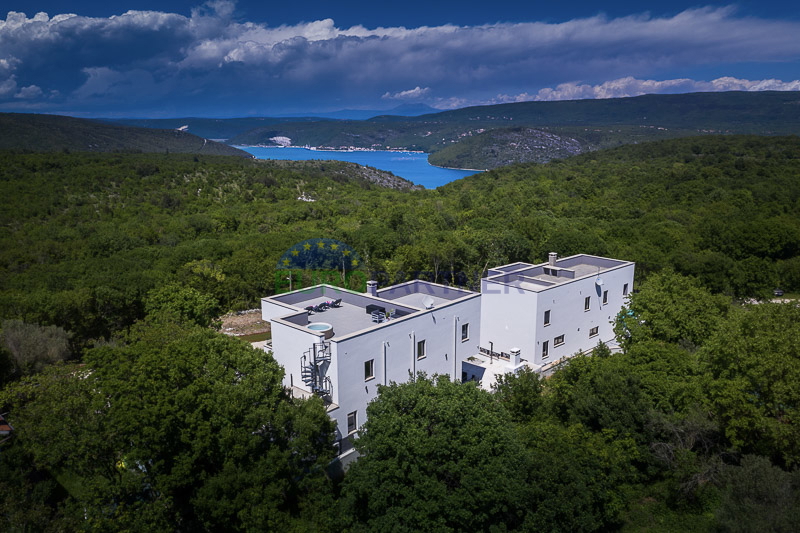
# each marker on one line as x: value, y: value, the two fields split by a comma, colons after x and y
x: 354, y: 311
x: 543, y: 276
x: 345, y: 319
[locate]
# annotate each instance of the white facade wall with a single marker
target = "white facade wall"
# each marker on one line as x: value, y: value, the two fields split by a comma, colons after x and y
x: 507, y: 318
x: 507, y: 314
x: 568, y: 318
x: 290, y: 343
x: 392, y: 348
x: 513, y: 308
x: 271, y: 309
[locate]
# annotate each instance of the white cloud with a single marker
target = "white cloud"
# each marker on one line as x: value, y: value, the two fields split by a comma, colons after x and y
x: 8, y: 87
x: 411, y: 94
x: 210, y: 57
x: 630, y: 86
x: 29, y: 92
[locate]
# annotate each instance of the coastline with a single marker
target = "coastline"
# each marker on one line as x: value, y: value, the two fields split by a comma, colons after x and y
x: 410, y: 165
x: 357, y: 149
x: 328, y: 149
x: 464, y: 169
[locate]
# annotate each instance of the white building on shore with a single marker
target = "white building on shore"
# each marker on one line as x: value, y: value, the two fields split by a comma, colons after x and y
x: 341, y: 344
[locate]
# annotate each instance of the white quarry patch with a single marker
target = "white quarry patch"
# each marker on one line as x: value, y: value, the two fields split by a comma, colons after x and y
x: 283, y: 141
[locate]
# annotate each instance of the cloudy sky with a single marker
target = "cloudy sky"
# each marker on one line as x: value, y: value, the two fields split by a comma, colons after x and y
x: 223, y: 58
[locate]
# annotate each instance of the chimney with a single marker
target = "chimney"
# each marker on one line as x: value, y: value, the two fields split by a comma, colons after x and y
x: 551, y: 258
x: 372, y: 288
x: 515, y: 353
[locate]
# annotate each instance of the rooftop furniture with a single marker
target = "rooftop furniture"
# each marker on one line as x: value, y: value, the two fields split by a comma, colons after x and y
x: 372, y: 308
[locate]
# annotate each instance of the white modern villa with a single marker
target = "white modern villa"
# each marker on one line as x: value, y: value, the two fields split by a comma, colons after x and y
x: 340, y: 344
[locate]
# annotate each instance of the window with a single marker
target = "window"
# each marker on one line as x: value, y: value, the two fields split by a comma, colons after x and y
x: 547, y: 318
x: 625, y: 290
x: 558, y: 341
x: 594, y: 331
x: 587, y: 303
x: 420, y: 349
x: 464, y: 332
x: 545, y: 349
x: 369, y: 369
x: 352, y: 422
x: 605, y: 297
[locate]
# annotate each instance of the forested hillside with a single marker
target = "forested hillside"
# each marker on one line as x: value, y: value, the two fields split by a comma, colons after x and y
x: 52, y: 133
x: 130, y: 412
x: 84, y: 237
x: 483, y: 137
x: 506, y: 146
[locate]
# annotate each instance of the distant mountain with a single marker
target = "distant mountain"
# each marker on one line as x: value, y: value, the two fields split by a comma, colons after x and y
x: 226, y: 128
x: 490, y: 136
x: 50, y: 133
x: 211, y: 128
x: 768, y: 112
x: 405, y: 110
x: 592, y: 124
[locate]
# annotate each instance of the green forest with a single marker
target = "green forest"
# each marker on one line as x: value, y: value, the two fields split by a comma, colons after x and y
x: 132, y: 413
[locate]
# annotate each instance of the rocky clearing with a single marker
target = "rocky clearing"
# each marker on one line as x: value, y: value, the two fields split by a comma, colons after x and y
x: 244, y: 323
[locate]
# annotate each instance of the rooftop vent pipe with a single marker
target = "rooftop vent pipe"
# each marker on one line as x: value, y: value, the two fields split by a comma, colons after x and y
x: 551, y: 258
x: 372, y: 288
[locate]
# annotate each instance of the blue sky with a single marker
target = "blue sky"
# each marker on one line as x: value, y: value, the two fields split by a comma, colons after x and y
x: 224, y: 58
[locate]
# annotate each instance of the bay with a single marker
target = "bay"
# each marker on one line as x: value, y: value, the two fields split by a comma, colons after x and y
x: 412, y: 166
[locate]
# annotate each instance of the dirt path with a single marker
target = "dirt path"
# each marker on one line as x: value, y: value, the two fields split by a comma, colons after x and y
x: 244, y: 323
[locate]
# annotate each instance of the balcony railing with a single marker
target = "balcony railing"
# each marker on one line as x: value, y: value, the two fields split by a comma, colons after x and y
x: 491, y: 354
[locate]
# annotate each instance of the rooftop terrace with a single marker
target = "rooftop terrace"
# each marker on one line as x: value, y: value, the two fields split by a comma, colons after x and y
x: 545, y: 275
x: 354, y: 313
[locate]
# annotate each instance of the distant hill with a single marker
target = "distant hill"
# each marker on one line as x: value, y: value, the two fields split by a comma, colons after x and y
x: 405, y: 110
x: 227, y: 128
x: 506, y: 146
x: 593, y: 124
x: 212, y: 128
x: 768, y: 112
x: 52, y: 133
x: 484, y: 137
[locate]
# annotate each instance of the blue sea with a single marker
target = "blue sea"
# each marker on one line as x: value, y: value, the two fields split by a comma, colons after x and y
x: 412, y: 166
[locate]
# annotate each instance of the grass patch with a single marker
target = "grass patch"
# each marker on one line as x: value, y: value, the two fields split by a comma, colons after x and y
x: 256, y: 337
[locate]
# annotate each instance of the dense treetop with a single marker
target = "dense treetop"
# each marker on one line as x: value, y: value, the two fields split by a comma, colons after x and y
x: 48, y: 133
x: 133, y: 413
x: 86, y: 237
